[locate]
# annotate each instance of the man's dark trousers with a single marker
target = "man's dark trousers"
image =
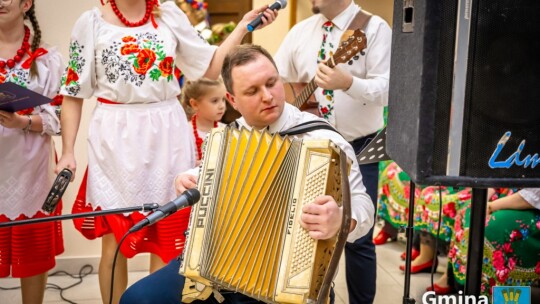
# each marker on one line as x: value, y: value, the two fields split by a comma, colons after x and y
x: 361, y: 262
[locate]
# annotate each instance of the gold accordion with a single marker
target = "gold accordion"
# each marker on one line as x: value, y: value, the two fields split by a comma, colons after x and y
x: 244, y: 234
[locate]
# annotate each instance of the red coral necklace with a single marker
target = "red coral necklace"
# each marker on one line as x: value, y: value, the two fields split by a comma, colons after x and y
x: 198, y: 139
x: 147, y: 15
x: 25, y: 46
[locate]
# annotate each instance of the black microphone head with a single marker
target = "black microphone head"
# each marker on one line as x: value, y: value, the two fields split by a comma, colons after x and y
x: 193, y: 195
x: 279, y: 4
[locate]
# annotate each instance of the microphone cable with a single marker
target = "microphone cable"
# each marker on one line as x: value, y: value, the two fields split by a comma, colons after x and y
x: 187, y: 198
x: 83, y: 272
x: 114, y: 265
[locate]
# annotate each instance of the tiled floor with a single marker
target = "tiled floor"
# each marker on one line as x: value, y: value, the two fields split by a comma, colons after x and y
x: 390, y: 281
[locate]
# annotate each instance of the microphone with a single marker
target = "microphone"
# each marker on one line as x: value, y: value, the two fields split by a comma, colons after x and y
x: 186, y: 199
x: 279, y: 4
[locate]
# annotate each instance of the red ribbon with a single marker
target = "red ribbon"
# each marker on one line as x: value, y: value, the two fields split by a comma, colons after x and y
x: 37, y: 53
x: 154, y: 23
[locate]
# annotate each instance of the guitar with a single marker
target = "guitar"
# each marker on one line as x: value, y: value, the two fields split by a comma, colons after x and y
x: 349, y: 47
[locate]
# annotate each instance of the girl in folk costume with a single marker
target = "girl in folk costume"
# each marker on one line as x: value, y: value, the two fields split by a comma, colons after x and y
x: 27, y: 151
x: 205, y: 100
x: 124, y: 53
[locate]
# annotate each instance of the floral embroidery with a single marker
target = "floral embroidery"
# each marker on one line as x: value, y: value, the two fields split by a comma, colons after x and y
x: 21, y: 76
x: 129, y: 39
x: 326, y: 108
x: 136, y: 57
x: 144, y: 61
x: 17, y: 75
x: 326, y: 111
x: 70, y: 79
x: 166, y: 66
x: 129, y: 48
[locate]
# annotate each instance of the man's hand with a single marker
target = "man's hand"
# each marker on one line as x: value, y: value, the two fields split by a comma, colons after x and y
x: 183, y: 182
x: 333, y: 78
x: 321, y: 218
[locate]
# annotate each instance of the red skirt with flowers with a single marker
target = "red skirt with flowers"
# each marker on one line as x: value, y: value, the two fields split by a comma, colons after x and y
x: 165, y: 238
x: 29, y: 250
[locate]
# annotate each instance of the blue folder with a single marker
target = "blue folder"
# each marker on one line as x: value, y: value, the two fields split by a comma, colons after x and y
x: 14, y: 98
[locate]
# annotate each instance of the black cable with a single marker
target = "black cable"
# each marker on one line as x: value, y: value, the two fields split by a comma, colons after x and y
x: 83, y: 272
x: 80, y: 277
x: 114, y: 265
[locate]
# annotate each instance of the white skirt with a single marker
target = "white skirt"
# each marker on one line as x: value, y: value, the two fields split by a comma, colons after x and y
x: 135, y: 152
x: 26, y: 171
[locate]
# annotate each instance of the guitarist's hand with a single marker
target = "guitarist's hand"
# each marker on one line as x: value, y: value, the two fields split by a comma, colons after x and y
x: 333, y: 79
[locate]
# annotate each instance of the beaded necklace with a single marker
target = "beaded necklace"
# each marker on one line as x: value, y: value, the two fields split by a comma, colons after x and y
x: 25, y: 46
x: 198, y: 139
x: 147, y: 15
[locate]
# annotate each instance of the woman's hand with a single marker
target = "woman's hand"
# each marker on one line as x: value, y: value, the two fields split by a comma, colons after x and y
x: 13, y: 120
x: 268, y: 17
x: 67, y: 161
x: 490, y: 208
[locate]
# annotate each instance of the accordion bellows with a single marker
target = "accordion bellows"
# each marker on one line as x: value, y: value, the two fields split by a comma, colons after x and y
x: 244, y: 234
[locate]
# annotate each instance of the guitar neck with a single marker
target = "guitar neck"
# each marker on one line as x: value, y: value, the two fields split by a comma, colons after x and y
x: 310, y: 87
x: 306, y: 92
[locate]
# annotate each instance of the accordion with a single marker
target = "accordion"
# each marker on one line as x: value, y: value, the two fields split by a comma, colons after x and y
x: 244, y: 234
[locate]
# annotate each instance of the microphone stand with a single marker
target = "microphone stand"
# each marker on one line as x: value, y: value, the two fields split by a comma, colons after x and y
x: 409, y: 232
x: 145, y: 207
x: 476, y: 242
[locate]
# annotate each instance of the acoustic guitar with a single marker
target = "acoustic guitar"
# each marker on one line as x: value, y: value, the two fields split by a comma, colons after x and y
x: 301, y: 94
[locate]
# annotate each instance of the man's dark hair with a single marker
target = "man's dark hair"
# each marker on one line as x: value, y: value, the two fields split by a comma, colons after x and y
x: 241, y: 55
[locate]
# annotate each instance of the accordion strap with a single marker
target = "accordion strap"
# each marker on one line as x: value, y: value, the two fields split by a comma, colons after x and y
x: 342, y: 235
x: 302, y: 128
x: 308, y: 126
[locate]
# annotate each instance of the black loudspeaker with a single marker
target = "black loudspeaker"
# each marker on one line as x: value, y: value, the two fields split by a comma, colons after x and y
x: 464, y: 100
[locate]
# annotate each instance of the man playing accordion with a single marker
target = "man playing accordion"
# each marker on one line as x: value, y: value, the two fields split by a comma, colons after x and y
x: 255, y: 90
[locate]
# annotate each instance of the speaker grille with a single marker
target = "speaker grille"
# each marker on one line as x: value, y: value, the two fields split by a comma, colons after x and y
x: 503, y: 86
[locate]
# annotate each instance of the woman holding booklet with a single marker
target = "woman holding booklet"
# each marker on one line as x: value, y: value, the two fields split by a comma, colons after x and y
x: 27, y: 150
